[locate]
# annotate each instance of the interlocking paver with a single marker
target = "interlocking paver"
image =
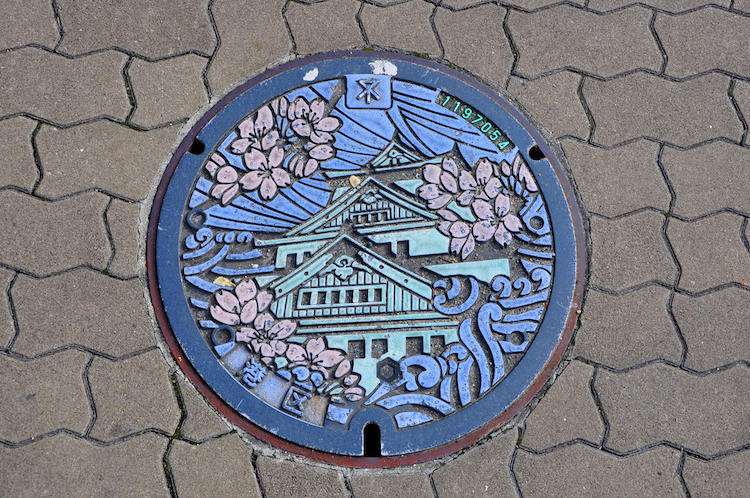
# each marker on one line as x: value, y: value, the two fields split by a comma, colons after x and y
x: 66, y: 466
x: 708, y: 178
x: 7, y: 327
x: 715, y: 326
x: 97, y: 312
x: 724, y: 477
x: 386, y: 26
x: 326, y: 26
x: 282, y: 479
x: 411, y: 485
x: 132, y: 395
x: 57, y: 96
x: 122, y: 220
x: 703, y: 40
x: 42, y: 395
x: 220, y: 467
x: 554, y: 102
x: 710, y: 251
x: 16, y: 151
x: 253, y: 34
x: 666, y: 5
x: 580, y: 470
x: 632, y: 167
x: 663, y: 403
x: 462, y: 4
x: 82, y: 157
x: 162, y: 29
x: 460, y: 43
x: 23, y: 22
x: 45, y: 237
x: 627, y: 330
x: 480, y: 470
x: 742, y: 97
x: 565, y: 36
x: 201, y: 422
x: 629, y: 251
x: 566, y: 412
x: 642, y: 105
x: 741, y: 5
x: 168, y: 90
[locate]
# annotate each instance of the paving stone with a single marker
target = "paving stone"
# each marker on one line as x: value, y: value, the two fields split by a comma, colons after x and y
x: 44, y: 237
x: 566, y: 412
x: 326, y: 26
x: 16, y: 151
x: 102, y: 155
x: 482, y: 471
x: 710, y: 251
x: 51, y: 87
x: 385, y: 26
x: 161, y: 29
x: 627, y: 330
x: 132, y: 395
x: 411, y: 485
x: 666, y: 5
x: 23, y: 22
x: 168, y: 90
x: 122, y: 219
x: 66, y: 466
x: 741, y: 5
x: 742, y: 97
x: 705, y: 40
x: 565, y: 36
x: 715, y: 326
x: 7, y: 326
x: 282, y: 479
x: 462, y: 4
x: 42, y: 395
x: 708, y: 178
x: 494, y: 61
x: 663, y: 403
x: 253, y: 34
x: 632, y: 167
x: 583, y: 471
x: 221, y: 467
x: 91, y: 310
x: 201, y: 422
x: 629, y: 251
x: 642, y: 105
x: 724, y: 477
x: 554, y: 102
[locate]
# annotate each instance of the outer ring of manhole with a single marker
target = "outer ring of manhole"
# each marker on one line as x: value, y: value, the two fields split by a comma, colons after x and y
x: 415, y: 440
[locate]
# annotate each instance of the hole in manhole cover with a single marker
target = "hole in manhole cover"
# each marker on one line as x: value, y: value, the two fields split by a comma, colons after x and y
x: 366, y: 258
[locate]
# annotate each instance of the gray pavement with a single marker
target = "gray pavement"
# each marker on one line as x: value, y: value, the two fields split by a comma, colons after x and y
x: 650, y: 102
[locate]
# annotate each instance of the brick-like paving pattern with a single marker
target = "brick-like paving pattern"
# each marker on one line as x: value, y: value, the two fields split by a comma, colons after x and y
x: 651, y: 102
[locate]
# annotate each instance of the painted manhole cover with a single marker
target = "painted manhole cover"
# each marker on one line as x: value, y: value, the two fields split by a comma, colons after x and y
x: 366, y: 255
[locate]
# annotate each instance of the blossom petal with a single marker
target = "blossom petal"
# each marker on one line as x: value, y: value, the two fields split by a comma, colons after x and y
x: 482, y: 209
x: 444, y: 227
x: 322, y: 152
x: 263, y: 321
x: 466, y: 198
x: 281, y: 177
x: 268, y: 189
x: 245, y: 291
x: 457, y: 244
x: 219, y: 189
x: 329, y: 358
x: 315, y: 346
x: 249, y: 311
x: 502, y: 204
x: 240, y: 146
x: 448, y: 215
x: 229, y: 195
x: 440, y: 201
x: 264, y: 299
x: 255, y: 160
x: 493, y: 187
x: 211, y: 167
x: 264, y: 121
x: 283, y: 329
x: 344, y: 368
x: 251, y: 180
x: 449, y: 182
x: 468, y: 248
x: 256, y: 344
x: 227, y: 174
x: 278, y: 347
x: 223, y: 316
x: 320, y: 137
x: 301, y: 127
x: 512, y: 223
x: 280, y: 106
x: 317, y: 108
x: 355, y: 393
x: 459, y: 229
x: 269, y: 140
x: 466, y: 181
x: 502, y: 236
x: 432, y: 173
x: 526, y: 176
x: 429, y: 191
x: 297, y: 164
x: 328, y: 124
x: 484, y: 171
x: 295, y: 353
x: 301, y: 108
x: 310, y: 167
x: 450, y: 165
x: 266, y: 350
x: 247, y: 128
x: 228, y: 301
x: 483, y: 230
x: 246, y: 334
x: 505, y: 168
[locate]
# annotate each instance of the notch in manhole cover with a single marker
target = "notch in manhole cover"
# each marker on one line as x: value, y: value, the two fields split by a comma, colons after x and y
x: 366, y: 255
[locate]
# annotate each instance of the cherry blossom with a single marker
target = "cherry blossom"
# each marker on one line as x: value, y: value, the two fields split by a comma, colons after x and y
x: 482, y: 185
x: 314, y: 355
x: 267, y: 337
x: 226, y: 187
x: 266, y: 173
x: 241, y: 306
x: 462, y: 240
x: 520, y: 170
x: 497, y: 222
x: 310, y: 124
x: 259, y: 133
x: 441, y: 183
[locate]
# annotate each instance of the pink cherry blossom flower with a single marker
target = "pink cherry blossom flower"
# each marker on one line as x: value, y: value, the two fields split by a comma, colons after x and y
x: 240, y: 306
x: 482, y: 185
x: 306, y: 161
x: 310, y: 121
x: 267, y: 338
x: 441, y: 183
x: 266, y: 174
x: 258, y: 133
x: 226, y: 187
x: 462, y: 240
x: 349, y: 381
x: 314, y: 355
x: 498, y: 222
x: 520, y: 170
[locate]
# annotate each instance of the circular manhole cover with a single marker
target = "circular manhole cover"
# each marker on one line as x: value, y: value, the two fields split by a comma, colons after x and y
x: 366, y: 255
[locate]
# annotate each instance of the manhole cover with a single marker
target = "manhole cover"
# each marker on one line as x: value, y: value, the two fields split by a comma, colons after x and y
x: 366, y: 255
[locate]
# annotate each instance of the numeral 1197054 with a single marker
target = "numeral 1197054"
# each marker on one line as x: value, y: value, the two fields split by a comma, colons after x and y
x: 472, y: 116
